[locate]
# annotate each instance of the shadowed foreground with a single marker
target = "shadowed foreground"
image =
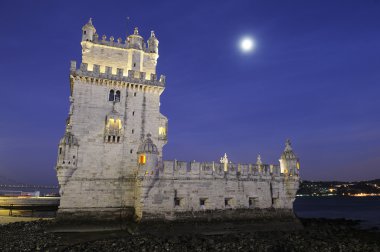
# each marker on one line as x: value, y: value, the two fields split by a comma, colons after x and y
x: 318, y: 235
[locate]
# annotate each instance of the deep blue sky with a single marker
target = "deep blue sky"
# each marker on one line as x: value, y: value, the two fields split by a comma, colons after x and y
x: 314, y: 78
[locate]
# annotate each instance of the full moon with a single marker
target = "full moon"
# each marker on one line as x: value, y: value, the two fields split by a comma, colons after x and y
x: 247, y: 44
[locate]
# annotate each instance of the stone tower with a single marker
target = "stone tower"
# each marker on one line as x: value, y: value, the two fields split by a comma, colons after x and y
x: 114, y: 105
x: 110, y: 160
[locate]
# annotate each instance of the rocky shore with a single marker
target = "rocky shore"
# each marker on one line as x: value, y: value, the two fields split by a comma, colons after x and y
x: 317, y: 235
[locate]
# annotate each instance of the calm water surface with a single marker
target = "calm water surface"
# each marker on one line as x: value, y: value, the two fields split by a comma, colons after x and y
x: 366, y: 209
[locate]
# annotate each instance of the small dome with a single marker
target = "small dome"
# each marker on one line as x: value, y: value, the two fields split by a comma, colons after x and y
x: 68, y: 139
x: 288, y: 152
x: 148, y: 146
x: 89, y: 25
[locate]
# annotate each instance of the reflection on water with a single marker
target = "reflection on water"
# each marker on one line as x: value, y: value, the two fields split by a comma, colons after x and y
x: 366, y: 209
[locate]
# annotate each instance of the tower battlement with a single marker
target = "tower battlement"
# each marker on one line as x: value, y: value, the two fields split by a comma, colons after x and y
x: 131, y: 76
x: 122, y: 44
x: 134, y: 54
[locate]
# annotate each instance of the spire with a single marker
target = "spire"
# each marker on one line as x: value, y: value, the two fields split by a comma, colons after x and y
x: 288, y: 145
x: 259, y: 162
x: 224, y: 161
x: 136, y: 31
x: 152, y: 35
x: 89, y: 24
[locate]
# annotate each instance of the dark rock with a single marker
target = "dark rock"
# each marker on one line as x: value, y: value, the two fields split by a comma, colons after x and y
x: 318, y: 235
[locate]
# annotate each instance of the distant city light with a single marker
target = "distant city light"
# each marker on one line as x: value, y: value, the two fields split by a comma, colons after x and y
x: 247, y: 44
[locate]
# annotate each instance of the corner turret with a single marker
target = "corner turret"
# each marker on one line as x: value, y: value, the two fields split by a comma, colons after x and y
x: 289, y: 162
x: 147, y: 157
x: 67, y: 158
x: 88, y: 31
x: 135, y: 40
x: 153, y: 43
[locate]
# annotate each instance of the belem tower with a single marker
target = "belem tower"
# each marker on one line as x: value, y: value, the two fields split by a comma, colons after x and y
x: 110, y: 160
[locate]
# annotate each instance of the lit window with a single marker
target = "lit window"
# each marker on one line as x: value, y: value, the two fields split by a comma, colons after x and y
x: 298, y: 165
x: 113, y: 130
x: 142, y: 159
x: 162, y: 131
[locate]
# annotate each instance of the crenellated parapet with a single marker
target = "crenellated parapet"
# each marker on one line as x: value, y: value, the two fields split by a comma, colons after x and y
x: 212, y: 170
x: 133, y: 41
x: 120, y: 43
x: 131, y: 76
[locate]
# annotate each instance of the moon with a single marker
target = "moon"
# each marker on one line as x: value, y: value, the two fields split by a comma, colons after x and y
x: 247, y: 44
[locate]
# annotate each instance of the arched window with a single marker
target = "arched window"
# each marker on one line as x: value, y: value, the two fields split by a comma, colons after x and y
x: 112, y: 95
x: 117, y: 96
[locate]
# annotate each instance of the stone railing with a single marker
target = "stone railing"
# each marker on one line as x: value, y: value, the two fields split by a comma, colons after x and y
x: 216, y: 170
x: 132, y: 76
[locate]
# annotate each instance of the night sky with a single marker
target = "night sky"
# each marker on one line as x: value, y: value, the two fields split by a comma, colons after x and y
x: 314, y: 77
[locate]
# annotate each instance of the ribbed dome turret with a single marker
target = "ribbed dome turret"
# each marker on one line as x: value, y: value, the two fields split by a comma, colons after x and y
x: 135, y: 40
x: 288, y: 152
x: 148, y: 146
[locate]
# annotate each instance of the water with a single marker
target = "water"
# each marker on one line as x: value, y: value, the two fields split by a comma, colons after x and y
x: 366, y: 209
x: 43, y: 191
x: 42, y: 207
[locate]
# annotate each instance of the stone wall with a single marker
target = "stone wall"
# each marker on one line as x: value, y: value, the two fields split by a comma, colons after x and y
x: 102, y: 176
x: 179, y: 189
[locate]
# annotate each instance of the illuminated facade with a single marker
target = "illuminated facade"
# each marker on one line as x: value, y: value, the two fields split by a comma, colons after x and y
x: 110, y: 163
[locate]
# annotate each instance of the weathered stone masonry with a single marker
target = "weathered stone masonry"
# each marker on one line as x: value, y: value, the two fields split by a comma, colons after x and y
x: 110, y: 158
